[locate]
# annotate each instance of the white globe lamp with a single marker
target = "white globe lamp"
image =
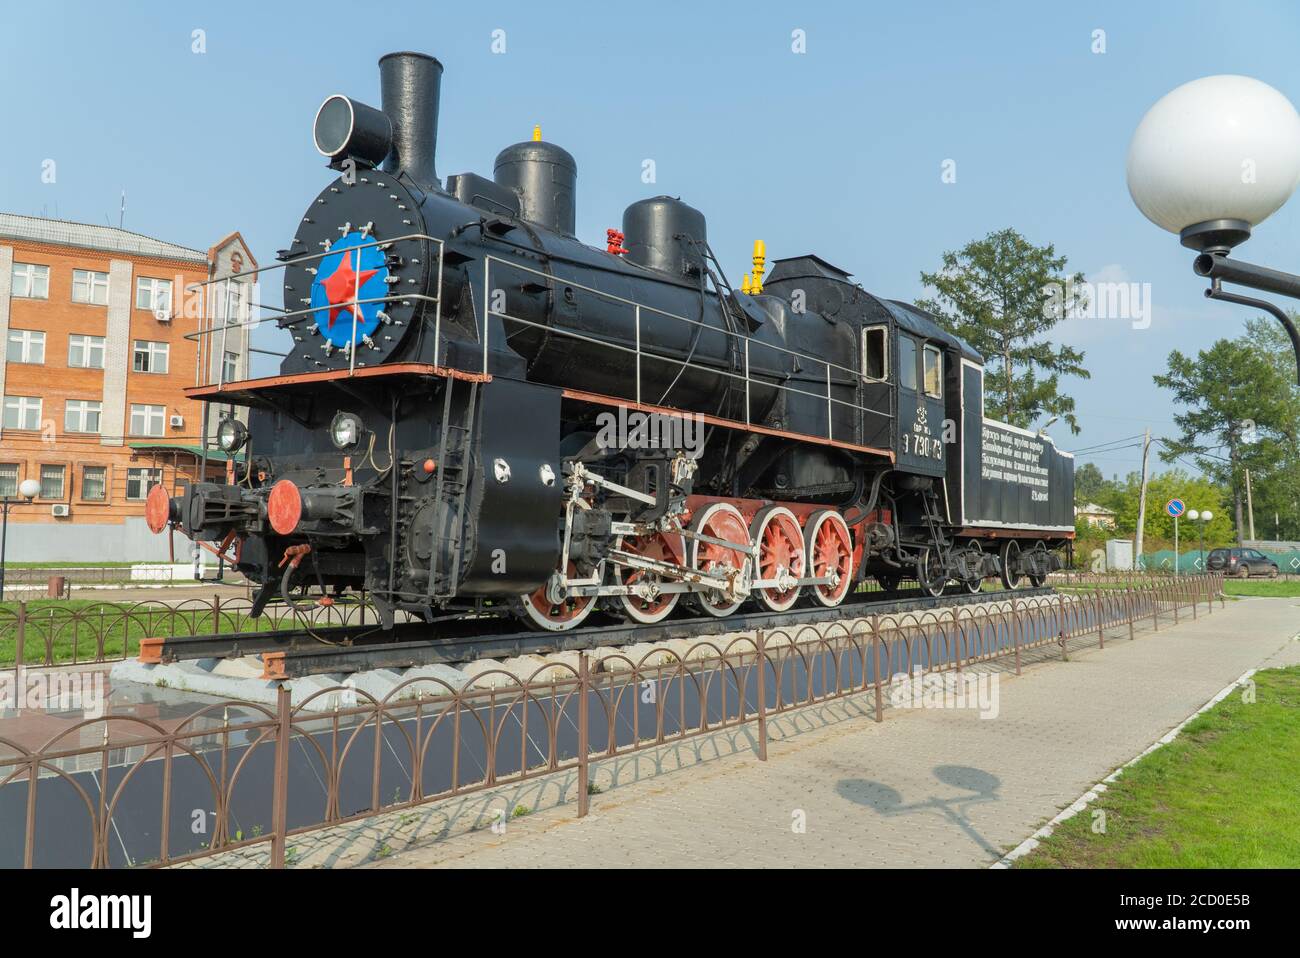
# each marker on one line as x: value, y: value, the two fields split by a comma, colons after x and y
x: 1214, y: 158
x: 1193, y: 514
x: 29, y: 489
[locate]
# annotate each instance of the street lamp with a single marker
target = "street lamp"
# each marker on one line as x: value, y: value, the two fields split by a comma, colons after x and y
x: 1202, y: 519
x: 1211, y: 161
x: 28, y: 489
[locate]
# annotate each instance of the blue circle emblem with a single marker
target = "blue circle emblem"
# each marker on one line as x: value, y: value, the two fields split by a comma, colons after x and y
x: 351, y: 267
x: 1175, y: 507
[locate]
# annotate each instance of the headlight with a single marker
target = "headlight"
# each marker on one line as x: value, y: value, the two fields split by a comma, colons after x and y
x: 231, y: 435
x: 346, y: 430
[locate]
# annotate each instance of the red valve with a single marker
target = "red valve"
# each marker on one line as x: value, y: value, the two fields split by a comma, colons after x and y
x: 614, y: 239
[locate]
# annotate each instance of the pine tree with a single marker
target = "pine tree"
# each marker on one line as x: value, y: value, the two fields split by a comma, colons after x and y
x: 1002, y: 295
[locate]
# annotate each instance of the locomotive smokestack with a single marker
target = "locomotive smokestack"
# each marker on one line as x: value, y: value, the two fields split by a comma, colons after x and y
x: 410, y: 84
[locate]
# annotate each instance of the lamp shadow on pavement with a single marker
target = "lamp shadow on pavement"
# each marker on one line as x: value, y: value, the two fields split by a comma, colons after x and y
x: 977, y: 785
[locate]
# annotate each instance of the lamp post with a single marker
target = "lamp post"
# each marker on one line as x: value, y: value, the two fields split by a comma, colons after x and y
x: 1211, y: 161
x: 1202, y: 519
x: 28, y: 490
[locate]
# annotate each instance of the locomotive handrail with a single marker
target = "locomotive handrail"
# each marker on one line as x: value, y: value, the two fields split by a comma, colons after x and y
x: 663, y: 312
x: 288, y: 318
x: 297, y: 314
x: 636, y: 350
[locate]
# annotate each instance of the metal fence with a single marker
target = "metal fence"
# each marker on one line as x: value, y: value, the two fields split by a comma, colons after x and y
x: 38, y: 635
x: 1086, y: 577
x: 301, y: 770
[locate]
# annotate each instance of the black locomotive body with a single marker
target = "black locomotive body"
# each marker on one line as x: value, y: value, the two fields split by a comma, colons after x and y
x: 480, y: 411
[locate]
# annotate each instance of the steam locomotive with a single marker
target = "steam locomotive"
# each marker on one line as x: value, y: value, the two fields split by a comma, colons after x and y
x: 480, y: 412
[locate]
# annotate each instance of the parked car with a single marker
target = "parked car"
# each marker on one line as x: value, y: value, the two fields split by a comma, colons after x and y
x: 1241, y: 562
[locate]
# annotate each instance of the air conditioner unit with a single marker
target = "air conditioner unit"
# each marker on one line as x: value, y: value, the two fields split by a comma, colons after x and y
x: 177, y: 421
x: 163, y: 316
x: 60, y: 510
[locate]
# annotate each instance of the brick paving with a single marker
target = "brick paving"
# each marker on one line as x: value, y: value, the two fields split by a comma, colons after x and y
x: 927, y: 787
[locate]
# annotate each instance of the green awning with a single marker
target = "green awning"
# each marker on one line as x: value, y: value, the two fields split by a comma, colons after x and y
x: 214, y: 454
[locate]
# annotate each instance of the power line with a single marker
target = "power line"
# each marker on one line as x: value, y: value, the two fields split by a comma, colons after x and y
x: 1102, y: 445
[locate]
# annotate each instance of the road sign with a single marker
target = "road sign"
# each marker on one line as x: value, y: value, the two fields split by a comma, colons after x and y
x: 1175, y: 507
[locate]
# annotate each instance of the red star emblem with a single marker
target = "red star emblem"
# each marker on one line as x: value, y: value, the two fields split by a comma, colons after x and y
x: 343, y: 285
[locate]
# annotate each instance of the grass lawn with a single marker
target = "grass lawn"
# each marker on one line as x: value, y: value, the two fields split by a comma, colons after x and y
x: 1275, y: 588
x: 71, y: 628
x: 1221, y: 795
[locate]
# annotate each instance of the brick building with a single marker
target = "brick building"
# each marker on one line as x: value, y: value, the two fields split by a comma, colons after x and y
x: 99, y: 332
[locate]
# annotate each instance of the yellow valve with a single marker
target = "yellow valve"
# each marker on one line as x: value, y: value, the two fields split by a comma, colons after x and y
x: 537, y: 133
x: 760, y: 260
x: 745, y: 286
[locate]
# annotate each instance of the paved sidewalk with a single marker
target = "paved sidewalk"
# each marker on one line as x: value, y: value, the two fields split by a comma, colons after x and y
x: 924, y: 788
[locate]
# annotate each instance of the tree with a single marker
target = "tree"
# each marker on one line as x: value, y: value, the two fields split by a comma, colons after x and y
x: 1237, y: 402
x: 1277, y: 492
x: 1199, y: 493
x: 1002, y: 295
x: 1088, y: 484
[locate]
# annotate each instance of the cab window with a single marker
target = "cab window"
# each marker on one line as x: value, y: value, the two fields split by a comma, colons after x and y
x: 906, y: 361
x: 875, y: 356
x: 933, y: 372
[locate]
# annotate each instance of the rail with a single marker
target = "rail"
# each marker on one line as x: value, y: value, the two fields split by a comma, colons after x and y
x: 266, y: 776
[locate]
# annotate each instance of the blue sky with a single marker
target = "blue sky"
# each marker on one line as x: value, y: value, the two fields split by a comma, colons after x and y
x: 836, y: 151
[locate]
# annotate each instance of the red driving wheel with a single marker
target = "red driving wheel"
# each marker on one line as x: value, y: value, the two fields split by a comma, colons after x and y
x: 830, y: 548
x: 720, y: 520
x: 781, y: 552
x: 663, y: 547
x: 541, y: 612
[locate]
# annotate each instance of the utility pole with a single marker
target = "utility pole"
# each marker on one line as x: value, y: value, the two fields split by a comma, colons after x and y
x: 1142, y: 497
x: 1250, y: 507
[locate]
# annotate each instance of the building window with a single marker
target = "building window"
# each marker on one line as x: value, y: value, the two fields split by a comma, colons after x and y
x: 22, y: 412
x: 230, y: 367
x: 52, y: 482
x: 25, y: 346
x: 94, y: 483
x: 81, y: 415
x: 235, y: 304
x: 154, y: 295
x: 140, y: 481
x: 86, y: 352
x: 31, y: 281
x: 8, y: 479
x: 933, y: 372
x: 89, y: 287
x: 149, y: 357
x: 147, y: 420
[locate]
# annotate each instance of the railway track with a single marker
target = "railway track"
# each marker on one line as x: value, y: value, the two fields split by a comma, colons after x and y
x: 295, y: 653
